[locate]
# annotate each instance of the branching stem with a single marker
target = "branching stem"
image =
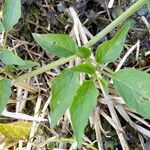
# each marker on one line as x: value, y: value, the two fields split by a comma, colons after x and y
x: 94, y: 40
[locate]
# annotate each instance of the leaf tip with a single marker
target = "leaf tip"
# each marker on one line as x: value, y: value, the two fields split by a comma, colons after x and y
x: 52, y: 123
x: 35, y: 35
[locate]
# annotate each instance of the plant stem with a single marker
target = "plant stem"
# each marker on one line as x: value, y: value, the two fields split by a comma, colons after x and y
x: 5, y: 38
x: 95, y: 39
x: 117, y: 21
x: 65, y: 140
x: 107, y: 74
x: 108, y: 70
x: 43, y: 69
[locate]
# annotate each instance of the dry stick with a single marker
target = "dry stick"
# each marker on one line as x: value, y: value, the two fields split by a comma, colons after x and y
x: 22, y: 116
x: 8, y: 145
x: 143, y: 130
x: 142, y: 141
x: 42, y: 114
x: 34, y: 125
x: 97, y: 124
x: 73, y: 15
x: 137, y: 50
x: 73, y: 146
x: 20, y: 145
x: 81, y: 32
x: 115, y: 118
x: 86, y: 31
x: 111, y: 3
x: 44, y: 110
x: 124, y: 112
x: 137, y: 127
x: 18, y: 100
x: 126, y: 56
x: 18, y: 110
x: 146, y: 23
x: 116, y: 99
x: 75, y: 32
x: 139, y: 119
x: 109, y: 119
x: 94, y: 40
x: 21, y: 99
x: 24, y: 99
x: 107, y: 10
x: 26, y: 86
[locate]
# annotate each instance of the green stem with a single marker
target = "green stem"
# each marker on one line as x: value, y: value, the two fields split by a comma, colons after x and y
x: 108, y: 70
x: 117, y: 21
x: 95, y: 39
x: 5, y: 38
x: 107, y: 74
x: 65, y: 140
x: 43, y: 69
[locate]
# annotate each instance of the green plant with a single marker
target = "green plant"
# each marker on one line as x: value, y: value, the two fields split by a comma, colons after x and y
x: 67, y: 91
x: 148, y: 5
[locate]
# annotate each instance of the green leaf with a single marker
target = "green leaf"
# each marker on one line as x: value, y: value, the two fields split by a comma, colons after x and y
x: 1, y: 27
x: 9, y: 58
x: 148, y: 5
x: 5, y: 93
x: 134, y: 87
x: 82, y: 107
x: 64, y: 88
x: 85, y: 68
x: 84, y: 52
x: 11, y: 13
x: 60, y: 45
x: 110, y: 50
x: 105, y: 85
x: 28, y: 64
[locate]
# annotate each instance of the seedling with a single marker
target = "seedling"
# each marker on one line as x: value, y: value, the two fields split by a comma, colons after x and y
x: 67, y: 91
